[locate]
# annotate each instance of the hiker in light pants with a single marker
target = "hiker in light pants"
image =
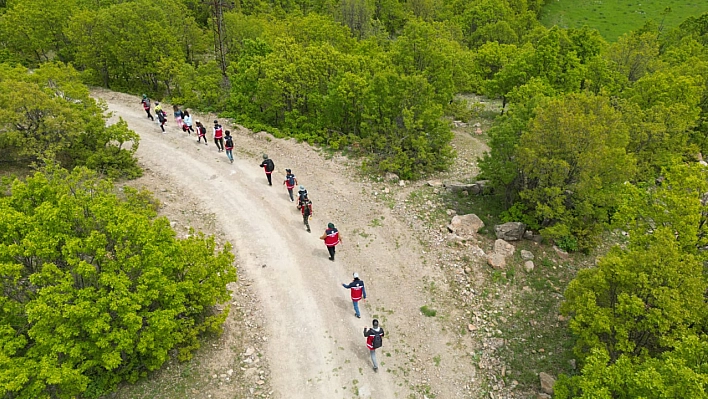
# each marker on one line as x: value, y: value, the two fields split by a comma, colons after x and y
x: 374, y: 340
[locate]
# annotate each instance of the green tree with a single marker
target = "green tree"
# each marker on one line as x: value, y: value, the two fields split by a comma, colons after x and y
x: 572, y: 160
x: 48, y: 113
x: 34, y: 30
x: 95, y: 288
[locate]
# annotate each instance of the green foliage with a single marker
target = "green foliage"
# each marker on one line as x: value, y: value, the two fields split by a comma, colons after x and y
x: 428, y: 311
x: 96, y: 289
x: 47, y: 113
x: 137, y: 45
x: 639, y: 317
x: 33, y: 30
x: 573, y: 161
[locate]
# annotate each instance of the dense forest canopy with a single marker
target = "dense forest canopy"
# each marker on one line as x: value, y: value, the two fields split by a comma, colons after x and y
x: 593, y: 135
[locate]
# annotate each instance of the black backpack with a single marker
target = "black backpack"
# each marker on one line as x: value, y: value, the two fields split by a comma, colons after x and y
x: 229, y: 142
x: 291, y: 180
x: 270, y: 166
x: 378, y: 340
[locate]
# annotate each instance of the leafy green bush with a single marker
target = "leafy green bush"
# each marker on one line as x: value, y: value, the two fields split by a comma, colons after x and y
x: 95, y: 289
x: 48, y: 113
x: 428, y: 311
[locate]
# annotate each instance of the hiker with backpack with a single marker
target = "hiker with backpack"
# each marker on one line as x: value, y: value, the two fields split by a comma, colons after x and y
x: 268, y: 166
x: 301, y: 196
x: 201, y: 132
x: 331, y: 239
x: 229, y: 143
x: 306, y: 210
x: 218, y: 136
x: 374, y: 340
x: 158, y: 111
x: 161, y: 117
x: 187, y: 123
x: 358, y: 292
x: 146, y: 106
x: 290, y: 182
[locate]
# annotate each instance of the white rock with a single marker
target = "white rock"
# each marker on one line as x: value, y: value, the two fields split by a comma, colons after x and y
x: 528, y: 266
x: 526, y: 255
x: 503, y: 248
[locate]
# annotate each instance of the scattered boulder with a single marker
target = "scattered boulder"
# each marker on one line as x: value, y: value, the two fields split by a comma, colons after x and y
x: 547, y: 382
x: 457, y: 186
x: 503, y: 248
x: 560, y: 252
x: 526, y: 255
x: 402, y: 183
x: 528, y: 266
x: 511, y: 231
x: 465, y: 225
x: 434, y: 183
x: 392, y: 177
x: 496, y: 261
x: 528, y: 235
x: 477, y: 251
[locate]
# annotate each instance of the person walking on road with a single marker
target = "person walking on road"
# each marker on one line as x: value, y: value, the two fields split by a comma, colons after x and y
x: 187, y: 123
x: 201, y: 133
x: 161, y: 118
x: 301, y: 193
x: 218, y: 136
x: 178, y: 115
x: 229, y: 145
x: 146, y: 106
x: 290, y: 182
x: 331, y: 239
x: 358, y: 292
x: 306, y: 210
x: 268, y: 166
x: 374, y: 340
x: 158, y: 111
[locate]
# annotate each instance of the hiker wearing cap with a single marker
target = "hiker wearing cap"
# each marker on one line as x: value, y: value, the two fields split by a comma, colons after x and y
x: 331, y: 239
x: 229, y: 146
x: 306, y: 210
x: 161, y: 116
x: 301, y: 192
x: 301, y: 196
x: 374, y: 340
x: 290, y: 182
x: 358, y: 292
x: 158, y: 111
x: 268, y: 166
x: 218, y: 136
x: 146, y: 106
x: 201, y: 132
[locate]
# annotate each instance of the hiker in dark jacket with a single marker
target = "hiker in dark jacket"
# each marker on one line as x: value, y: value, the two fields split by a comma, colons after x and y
x: 268, y: 166
x: 290, y: 182
x: 306, y: 210
x: 374, y: 340
x: 358, y: 292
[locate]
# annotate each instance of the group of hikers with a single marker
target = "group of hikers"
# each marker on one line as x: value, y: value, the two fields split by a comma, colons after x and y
x: 331, y: 237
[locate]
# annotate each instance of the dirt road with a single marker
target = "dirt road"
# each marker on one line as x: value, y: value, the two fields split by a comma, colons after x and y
x: 315, y: 348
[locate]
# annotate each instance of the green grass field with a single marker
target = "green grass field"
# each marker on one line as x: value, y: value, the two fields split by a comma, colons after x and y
x: 613, y: 18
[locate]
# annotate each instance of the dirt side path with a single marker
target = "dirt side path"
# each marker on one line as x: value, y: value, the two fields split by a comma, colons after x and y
x: 314, y: 344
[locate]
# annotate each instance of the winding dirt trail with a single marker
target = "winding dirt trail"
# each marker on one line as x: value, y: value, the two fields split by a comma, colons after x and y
x: 315, y: 348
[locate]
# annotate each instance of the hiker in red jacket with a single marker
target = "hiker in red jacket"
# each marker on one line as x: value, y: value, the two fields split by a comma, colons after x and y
x: 290, y: 182
x: 218, y: 136
x: 374, y: 340
x: 358, y: 292
x: 201, y: 132
x: 331, y: 239
x: 268, y: 166
x: 306, y: 210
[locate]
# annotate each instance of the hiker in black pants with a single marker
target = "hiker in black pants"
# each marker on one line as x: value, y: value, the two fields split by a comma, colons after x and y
x: 268, y: 166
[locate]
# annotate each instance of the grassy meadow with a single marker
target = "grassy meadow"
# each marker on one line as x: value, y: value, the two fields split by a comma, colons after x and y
x: 613, y: 18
